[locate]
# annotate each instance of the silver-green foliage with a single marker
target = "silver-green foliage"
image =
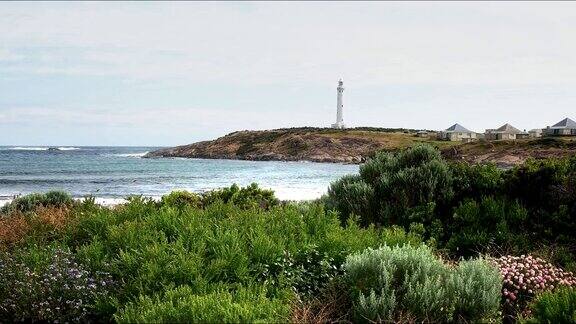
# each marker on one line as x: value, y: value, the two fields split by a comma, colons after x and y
x: 411, y: 281
x: 477, y: 289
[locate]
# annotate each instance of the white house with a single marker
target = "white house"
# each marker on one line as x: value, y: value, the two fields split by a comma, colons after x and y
x: 565, y: 127
x: 458, y: 132
x: 535, y: 133
x: 505, y: 132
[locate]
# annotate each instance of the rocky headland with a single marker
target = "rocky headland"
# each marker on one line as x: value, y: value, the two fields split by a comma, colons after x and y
x: 355, y: 145
x: 298, y: 144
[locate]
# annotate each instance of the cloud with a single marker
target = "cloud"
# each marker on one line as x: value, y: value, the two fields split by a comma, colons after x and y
x: 196, y: 69
x: 7, y: 55
x: 314, y: 43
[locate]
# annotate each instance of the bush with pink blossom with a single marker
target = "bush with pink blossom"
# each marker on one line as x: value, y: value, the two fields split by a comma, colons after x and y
x: 524, y: 277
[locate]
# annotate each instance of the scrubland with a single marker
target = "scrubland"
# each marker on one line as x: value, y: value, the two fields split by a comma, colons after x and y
x: 410, y: 238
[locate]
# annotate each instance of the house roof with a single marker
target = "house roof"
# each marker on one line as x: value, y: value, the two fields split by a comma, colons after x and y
x: 458, y: 128
x: 565, y: 123
x: 507, y: 128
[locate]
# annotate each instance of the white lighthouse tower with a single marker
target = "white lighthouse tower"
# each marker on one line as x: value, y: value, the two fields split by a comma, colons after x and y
x: 339, y: 105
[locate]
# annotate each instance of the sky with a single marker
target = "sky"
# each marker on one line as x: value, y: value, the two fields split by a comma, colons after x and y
x: 169, y: 73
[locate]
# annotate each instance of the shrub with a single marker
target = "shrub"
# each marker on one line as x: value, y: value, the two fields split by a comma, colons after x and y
x: 48, y: 285
x: 477, y: 287
x: 45, y: 224
x: 555, y: 307
x: 352, y: 196
x: 481, y: 226
x: 29, y: 203
x: 246, y: 197
x: 182, y: 305
x: 395, y: 189
x: 526, y: 276
x: 476, y: 181
x: 181, y: 199
x: 307, y: 271
x: 468, y: 209
x: 389, y: 284
x: 151, y: 249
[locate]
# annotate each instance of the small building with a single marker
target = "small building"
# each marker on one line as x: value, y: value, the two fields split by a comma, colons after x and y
x: 535, y: 133
x: 565, y: 127
x: 505, y: 132
x: 456, y: 133
x: 422, y: 133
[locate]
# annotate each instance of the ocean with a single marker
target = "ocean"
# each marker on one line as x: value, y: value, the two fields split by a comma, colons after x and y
x: 112, y: 173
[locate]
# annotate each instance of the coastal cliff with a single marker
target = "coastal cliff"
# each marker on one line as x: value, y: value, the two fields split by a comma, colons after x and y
x: 299, y: 144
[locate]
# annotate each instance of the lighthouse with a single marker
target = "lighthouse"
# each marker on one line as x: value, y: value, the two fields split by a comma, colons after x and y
x: 339, y: 105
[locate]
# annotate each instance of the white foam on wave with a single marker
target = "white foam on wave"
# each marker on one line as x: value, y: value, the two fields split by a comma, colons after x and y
x: 28, y: 148
x: 141, y: 154
x: 284, y: 193
x: 65, y: 148
x: 98, y: 200
x: 43, y: 148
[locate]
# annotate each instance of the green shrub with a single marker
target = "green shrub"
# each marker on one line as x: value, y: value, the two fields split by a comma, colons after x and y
x: 555, y: 307
x: 152, y: 249
x: 395, y: 189
x: 29, y: 203
x: 244, y: 197
x: 389, y: 284
x: 182, y: 305
x: 487, y: 224
x: 181, y: 199
x: 467, y: 209
x: 352, y: 196
x: 57, y: 199
x: 476, y: 180
x: 477, y: 287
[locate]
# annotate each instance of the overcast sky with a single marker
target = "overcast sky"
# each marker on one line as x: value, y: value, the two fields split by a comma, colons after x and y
x: 174, y: 73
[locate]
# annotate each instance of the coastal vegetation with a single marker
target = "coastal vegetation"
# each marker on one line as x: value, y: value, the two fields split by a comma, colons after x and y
x: 412, y: 237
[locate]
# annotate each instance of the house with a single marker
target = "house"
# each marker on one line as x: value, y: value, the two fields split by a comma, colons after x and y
x: 457, y: 132
x: 505, y: 132
x: 422, y: 133
x: 565, y: 127
x: 535, y: 133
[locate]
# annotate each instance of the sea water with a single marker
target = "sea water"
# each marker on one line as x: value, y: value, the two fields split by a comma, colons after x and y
x: 116, y: 172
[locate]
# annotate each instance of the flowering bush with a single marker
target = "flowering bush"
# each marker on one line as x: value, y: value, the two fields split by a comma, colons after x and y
x: 524, y: 277
x: 58, y: 290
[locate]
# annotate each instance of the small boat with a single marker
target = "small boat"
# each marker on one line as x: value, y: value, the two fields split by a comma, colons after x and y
x: 53, y: 149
